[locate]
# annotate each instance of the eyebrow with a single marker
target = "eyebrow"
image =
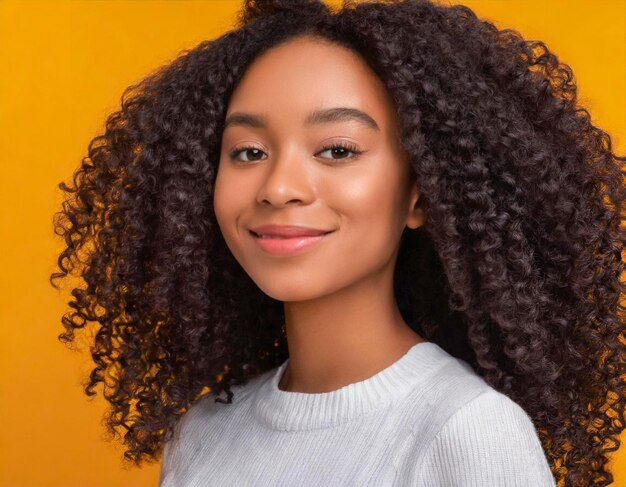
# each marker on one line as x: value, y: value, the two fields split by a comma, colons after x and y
x: 328, y: 115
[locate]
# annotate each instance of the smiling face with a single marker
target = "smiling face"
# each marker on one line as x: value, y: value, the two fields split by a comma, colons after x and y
x: 311, y: 139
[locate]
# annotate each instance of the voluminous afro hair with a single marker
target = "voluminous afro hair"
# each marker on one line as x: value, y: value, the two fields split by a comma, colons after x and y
x: 517, y: 269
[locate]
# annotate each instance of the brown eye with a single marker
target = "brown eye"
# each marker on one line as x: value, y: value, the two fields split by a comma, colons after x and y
x: 341, y: 149
x: 252, y: 151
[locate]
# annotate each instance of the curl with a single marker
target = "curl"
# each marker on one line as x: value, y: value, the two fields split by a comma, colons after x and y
x: 517, y: 269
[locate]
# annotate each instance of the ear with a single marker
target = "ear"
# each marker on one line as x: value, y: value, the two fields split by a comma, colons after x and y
x: 416, y: 216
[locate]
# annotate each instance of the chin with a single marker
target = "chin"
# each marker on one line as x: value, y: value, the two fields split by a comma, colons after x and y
x: 287, y: 293
x: 285, y: 289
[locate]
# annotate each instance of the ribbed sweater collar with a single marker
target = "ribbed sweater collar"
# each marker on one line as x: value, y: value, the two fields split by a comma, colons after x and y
x: 291, y: 411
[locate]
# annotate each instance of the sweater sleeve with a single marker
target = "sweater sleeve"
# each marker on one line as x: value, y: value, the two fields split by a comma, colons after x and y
x: 170, y: 457
x: 177, y: 447
x: 166, y: 463
x: 489, y: 442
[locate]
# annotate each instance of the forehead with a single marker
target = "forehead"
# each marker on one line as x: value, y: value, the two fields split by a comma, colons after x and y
x: 292, y: 80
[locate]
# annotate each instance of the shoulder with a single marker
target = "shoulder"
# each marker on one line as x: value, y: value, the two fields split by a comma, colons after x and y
x: 491, y: 415
x: 207, y: 405
x: 189, y: 432
x: 488, y: 441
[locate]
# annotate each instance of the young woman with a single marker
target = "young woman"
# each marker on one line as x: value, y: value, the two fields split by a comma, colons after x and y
x: 387, y: 233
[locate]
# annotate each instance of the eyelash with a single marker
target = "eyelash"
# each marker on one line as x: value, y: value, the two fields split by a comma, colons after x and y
x: 339, y: 145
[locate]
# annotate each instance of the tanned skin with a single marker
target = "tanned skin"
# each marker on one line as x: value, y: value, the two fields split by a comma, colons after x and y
x: 342, y: 322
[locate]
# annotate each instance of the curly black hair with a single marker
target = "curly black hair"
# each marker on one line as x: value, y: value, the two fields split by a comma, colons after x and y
x: 516, y: 271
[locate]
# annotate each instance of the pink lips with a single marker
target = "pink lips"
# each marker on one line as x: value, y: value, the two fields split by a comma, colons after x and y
x: 287, y: 239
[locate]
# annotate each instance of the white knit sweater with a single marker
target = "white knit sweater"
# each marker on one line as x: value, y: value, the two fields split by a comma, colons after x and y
x: 426, y: 420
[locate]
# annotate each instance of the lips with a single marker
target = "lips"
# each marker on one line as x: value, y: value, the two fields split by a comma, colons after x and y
x: 288, y: 240
x: 287, y: 231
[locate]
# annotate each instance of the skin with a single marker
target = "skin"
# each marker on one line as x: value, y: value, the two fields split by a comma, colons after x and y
x: 341, y: 318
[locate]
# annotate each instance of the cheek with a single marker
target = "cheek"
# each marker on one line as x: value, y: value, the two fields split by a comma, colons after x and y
x: 367, y: 202
x: 370, y: 221
x: 226, y: 205
x: 233, y: 203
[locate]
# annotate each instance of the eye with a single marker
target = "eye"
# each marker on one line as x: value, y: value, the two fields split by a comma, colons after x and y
x: 247, y: 148
x: 343, y: 148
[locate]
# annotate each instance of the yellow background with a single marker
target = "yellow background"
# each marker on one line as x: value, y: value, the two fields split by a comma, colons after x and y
x: 63, y: 66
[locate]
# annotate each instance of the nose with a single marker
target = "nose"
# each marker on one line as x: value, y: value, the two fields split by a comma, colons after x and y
x: 288, y: 179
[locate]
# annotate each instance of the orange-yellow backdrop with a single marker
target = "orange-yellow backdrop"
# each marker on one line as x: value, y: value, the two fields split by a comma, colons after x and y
x: 64, y: 65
